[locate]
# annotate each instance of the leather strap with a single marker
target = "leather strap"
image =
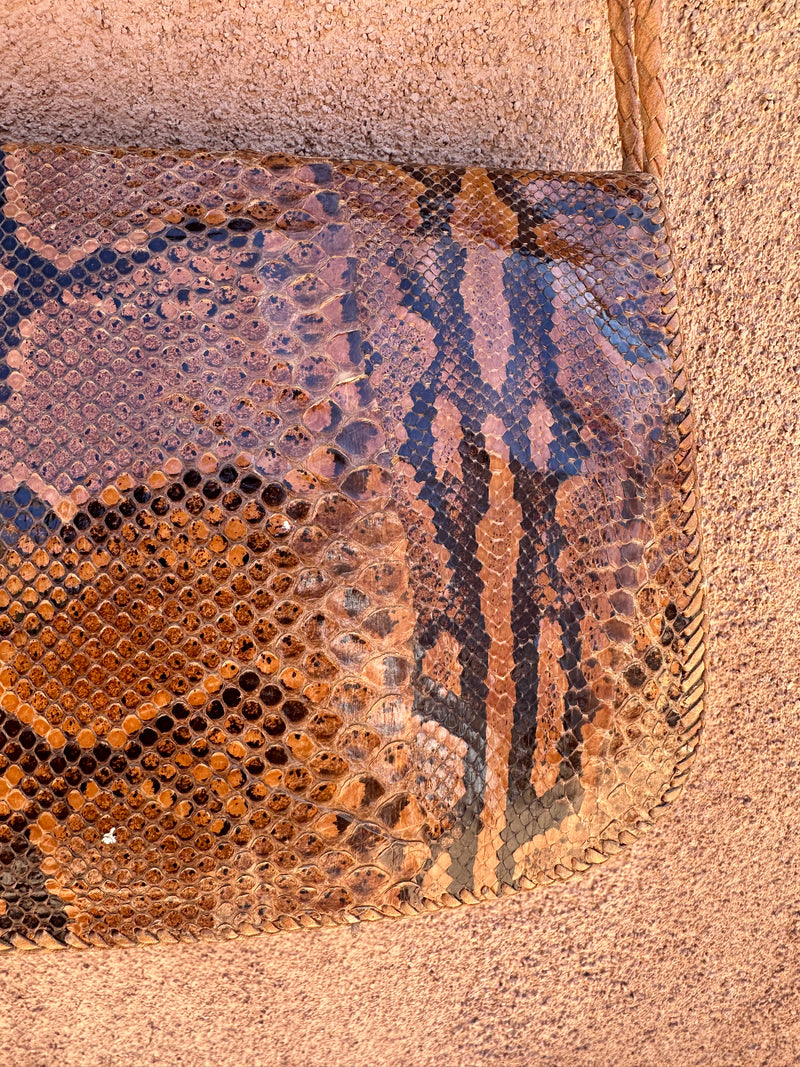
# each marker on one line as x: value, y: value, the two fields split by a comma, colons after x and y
x: 641, y: 104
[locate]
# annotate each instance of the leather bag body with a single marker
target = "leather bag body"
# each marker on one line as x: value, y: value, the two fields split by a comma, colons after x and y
x: 349, y: 549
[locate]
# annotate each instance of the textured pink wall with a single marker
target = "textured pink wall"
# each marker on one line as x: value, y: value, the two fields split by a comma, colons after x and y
x: 683, y: 950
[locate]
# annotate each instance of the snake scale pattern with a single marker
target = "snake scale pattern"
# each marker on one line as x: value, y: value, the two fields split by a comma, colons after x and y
x: 349, y: 552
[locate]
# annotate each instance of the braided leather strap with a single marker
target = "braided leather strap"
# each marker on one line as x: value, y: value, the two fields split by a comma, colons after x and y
x: 641, y: 104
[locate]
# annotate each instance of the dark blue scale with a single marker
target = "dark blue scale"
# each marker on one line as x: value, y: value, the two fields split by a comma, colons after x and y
x: 531, y: 375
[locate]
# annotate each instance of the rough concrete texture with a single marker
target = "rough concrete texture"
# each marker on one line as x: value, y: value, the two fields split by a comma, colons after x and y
x: 683, y: 950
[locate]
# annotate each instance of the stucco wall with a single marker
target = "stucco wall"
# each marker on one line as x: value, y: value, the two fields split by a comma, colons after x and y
x: 683, y: 950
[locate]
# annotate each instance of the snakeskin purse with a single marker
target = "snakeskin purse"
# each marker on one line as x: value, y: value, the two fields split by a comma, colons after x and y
x: 349, y: 552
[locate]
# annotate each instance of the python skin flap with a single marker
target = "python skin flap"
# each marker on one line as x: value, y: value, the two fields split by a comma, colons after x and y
x: 349, y: 561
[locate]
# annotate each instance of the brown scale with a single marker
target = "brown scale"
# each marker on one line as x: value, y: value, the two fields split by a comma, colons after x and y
x: 196, y: 702
x: 243, y: 641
